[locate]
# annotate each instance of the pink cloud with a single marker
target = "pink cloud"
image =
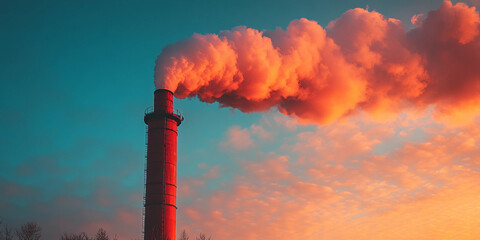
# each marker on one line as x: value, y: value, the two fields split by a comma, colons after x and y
x: 238, y: 139
x: 417, y: 19
x: 362, y: 62
x: 274, y: 168
x: 449, y: 42
x: 261, y: 132
x: 212, y: 173
x: 419, y: 190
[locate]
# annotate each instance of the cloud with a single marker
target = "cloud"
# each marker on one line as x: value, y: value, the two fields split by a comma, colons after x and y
x: 238, y: 139
x: 274, y: 168
x: 449, y: 42
x: 260, y: 132
x: 362, y: 62
x: 417, y: 190
x: 62, y: 193
x: 417, y: 19
x: 241, y: 139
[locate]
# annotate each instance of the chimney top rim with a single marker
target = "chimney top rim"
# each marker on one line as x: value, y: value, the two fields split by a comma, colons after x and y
x: 163, y: 89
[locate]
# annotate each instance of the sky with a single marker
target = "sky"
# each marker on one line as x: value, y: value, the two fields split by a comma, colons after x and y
x: 76, y: 77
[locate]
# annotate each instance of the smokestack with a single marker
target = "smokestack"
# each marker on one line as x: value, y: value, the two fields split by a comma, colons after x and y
x: 161, y: 179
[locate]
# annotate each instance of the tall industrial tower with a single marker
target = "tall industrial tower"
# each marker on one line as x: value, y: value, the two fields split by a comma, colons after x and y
x: 161, y: 170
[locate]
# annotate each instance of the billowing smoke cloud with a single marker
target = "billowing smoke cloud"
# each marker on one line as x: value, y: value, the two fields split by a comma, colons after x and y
x: 362, y: 61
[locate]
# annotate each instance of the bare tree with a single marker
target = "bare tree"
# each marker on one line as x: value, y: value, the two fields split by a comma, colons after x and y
x: 1, y: 231
x: 101, y: 235
x: 7, y: 233
x: 203, y: 237
x: 29, y: 231
x: 74, y: 236
x: 184, y: 236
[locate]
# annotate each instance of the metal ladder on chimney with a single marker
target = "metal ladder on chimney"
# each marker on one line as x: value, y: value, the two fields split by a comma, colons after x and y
x: 144, y: 182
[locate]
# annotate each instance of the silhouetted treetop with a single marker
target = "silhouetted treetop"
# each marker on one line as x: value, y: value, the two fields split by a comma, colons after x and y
x: 74, y: 236
x: 101, y: 235
x: 29, y: 231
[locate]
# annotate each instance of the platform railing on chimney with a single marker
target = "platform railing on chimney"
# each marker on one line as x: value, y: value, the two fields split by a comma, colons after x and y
x: 176, y: 112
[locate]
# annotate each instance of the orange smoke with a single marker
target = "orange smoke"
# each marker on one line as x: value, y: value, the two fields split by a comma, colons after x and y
x: 362, y: 61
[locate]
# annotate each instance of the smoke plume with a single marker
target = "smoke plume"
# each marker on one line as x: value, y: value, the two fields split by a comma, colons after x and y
x: 361, y: 61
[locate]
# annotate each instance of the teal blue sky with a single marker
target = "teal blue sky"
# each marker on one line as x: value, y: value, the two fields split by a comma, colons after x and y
x: 76, y: 77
